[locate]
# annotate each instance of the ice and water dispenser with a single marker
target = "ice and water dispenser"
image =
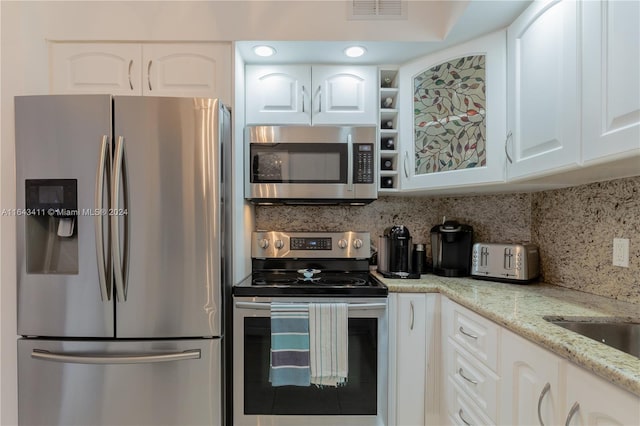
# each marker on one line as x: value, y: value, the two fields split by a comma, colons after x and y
x: 51, y: 232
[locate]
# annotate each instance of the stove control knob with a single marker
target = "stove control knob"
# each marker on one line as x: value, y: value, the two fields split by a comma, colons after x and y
x: 263, y: 243
x: 278, y: 244
x: 357, y: 243
x: 342, y: 243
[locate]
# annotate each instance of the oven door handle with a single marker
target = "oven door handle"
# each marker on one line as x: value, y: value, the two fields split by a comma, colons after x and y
x: 352, y: 306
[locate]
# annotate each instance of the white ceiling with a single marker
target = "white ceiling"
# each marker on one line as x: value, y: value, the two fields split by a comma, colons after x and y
x: 478, y: 18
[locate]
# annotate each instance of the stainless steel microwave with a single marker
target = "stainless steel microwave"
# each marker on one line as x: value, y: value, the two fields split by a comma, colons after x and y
x: 311, y: 165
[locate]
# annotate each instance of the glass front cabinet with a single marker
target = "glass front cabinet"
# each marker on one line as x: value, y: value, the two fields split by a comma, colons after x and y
x: 452, y: 122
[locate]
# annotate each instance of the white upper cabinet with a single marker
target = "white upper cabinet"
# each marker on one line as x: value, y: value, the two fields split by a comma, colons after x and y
x: 153, y: 69
x: 610, y: 80
x: 187, y: 69
x: 312, y: 95
x: 345, y: 94
x: 543, y: 85
x: 278, y: 94
x: 452, y: 121
x: 101, y: 68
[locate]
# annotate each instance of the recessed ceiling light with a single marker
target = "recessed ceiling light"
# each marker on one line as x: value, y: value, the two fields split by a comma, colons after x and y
x: 355, y: 51
x: 264, y: 50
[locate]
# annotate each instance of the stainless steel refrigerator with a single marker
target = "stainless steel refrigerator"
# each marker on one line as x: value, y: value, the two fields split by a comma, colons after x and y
x: 122, y: 256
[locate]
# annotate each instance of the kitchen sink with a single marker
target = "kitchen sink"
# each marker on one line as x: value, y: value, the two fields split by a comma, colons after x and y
x: 619, y: 334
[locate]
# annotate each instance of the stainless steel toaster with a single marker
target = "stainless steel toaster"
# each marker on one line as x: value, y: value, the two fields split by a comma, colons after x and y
x: 514, y: 263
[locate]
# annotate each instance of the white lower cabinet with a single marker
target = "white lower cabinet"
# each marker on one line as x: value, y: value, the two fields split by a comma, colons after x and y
x: 540, y: 388
x: 470, y: 354
x: 414, y: 360
x: 531, y: 386
x: 590, y: 401
x: 449, y: 365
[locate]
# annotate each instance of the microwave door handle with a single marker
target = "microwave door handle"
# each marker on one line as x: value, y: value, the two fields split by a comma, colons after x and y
x: 349, y: 163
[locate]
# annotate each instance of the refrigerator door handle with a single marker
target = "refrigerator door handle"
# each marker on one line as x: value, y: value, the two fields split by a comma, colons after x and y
x: 115, y: 221
x: 100, y: 213
x: 111, y: 359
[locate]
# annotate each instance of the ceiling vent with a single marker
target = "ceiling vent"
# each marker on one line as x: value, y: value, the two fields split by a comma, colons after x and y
x: 378, y: 9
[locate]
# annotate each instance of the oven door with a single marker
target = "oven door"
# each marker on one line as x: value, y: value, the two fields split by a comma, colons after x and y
x: 362, y: 401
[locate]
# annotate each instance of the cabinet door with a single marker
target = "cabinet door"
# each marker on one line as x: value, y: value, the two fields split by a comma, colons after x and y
x: 187, y: 69
x: 543, y: 82
x: 453, y: 117
x: 414, y: 360
x: 98, y: 68
x: 592, y: 401
x: 411, y: 355
x: 344, y: 94
x: 530, y: 384
x: 278, y: 94
x: 610, y: 83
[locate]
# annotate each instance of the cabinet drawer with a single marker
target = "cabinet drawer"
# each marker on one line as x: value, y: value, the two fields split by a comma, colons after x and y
x: 477, y: 335
x: 472, y: 377
x: 462, y: 410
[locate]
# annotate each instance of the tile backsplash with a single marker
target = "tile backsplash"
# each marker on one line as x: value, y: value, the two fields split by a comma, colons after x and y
x: 574, y: 227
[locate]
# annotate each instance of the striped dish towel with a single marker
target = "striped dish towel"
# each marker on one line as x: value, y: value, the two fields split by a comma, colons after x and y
x: 328, y: 343
x: 289, y: 345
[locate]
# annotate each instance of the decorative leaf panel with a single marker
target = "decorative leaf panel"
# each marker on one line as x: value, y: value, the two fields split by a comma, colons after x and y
x: 449, y: 116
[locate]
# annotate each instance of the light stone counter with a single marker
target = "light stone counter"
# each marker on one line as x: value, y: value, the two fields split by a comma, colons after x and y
x: 521, y: 308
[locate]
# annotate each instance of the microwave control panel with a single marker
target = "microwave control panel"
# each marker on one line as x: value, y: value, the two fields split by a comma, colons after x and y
x: 363, y: 167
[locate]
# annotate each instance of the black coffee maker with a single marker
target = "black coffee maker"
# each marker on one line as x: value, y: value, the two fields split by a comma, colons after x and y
x: 394, y: 253
x: 451, y: 245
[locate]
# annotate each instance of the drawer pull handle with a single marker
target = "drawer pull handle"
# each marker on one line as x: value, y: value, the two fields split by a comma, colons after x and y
x: 473, y: 336
x: 574, y: 409
x: 461, y: 373
x: 460, y: 412
x: 545, y: 390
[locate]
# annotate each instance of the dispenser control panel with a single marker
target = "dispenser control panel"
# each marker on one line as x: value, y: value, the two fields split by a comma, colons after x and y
x: 59, y: 195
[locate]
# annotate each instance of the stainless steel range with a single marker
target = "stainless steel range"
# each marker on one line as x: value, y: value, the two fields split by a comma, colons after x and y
x: 305, y: 268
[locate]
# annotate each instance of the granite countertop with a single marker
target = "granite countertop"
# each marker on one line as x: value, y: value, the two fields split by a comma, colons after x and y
x: 521, y: 308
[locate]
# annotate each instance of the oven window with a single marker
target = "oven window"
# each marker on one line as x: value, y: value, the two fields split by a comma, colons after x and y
x: 357, y: 397
x: 299, y: 163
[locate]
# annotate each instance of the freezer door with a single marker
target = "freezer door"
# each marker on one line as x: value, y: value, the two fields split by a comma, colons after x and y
x: 165, y: 382
x: 166, y: 228
x: 62, y: 154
